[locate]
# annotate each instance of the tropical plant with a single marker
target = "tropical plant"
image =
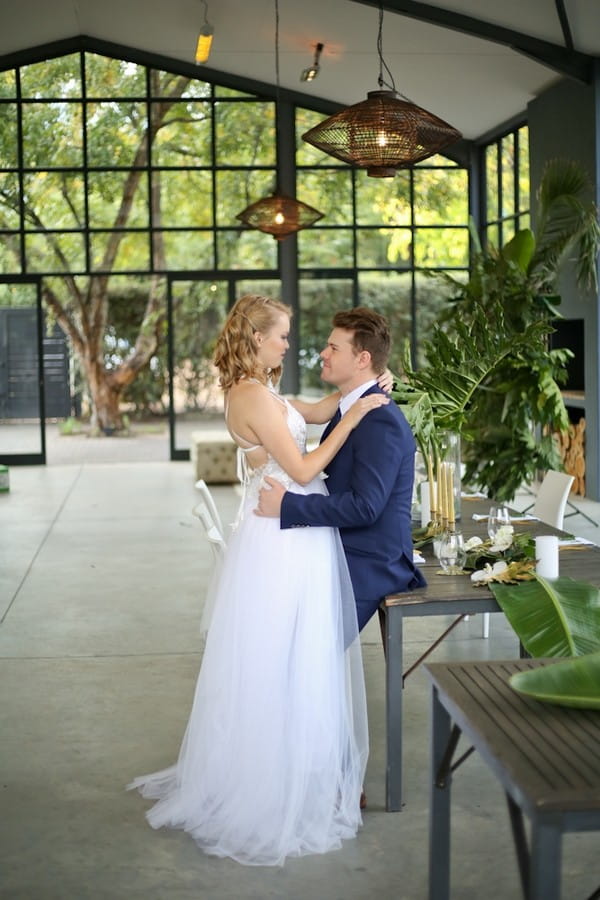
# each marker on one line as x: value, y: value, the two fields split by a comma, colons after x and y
x: 558, y: 618
x: 489, y: 371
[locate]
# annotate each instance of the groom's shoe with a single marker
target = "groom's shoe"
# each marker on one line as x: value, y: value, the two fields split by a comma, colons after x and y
x: 363, y: 800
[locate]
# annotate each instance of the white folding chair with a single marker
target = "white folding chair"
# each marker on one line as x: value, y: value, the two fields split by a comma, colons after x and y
x: 211, y: 505
x: 550, y: 504
x: 206, y: 510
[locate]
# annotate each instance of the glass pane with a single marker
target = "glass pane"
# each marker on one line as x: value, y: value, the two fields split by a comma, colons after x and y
x: 199, y: 312
x: 132, y: 251
x: 106, y: 192
x: 508, y: 175
x: 390, y: 295
x: 19, y: 371
x: 10, y: 254
x: 431, y: 296
x: 493, y: 236
x: 56, y: 198
x: 523, y: 173
x: 59, y: 77
x: 185, y: 138
x: 186, y: 198
x: 8, y: 83
x: 383, y: 247
x: 491, y: 182
x: 437, y: 159
x: 184, y: 250
x: 52, y: 135
x: 245, y: 134
x: 325, y: 248
x: 441, y: 197
x: 8, y: 136
x: 196, y: 88
x: 221, y: 91
x: 10, y: 198
x: 319, y: 300
x: 441, y: 247
x: 508, y: 230
x: 106, y: 77
x: 332, y: 195
x: 115, y: 132
x: 237, y: 190
x: 383, y: 200
x: 55, y: 252
x: 246, y: 249
x: 306, y: 154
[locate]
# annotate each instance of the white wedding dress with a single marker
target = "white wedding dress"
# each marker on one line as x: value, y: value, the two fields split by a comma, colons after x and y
x: 274, y: 753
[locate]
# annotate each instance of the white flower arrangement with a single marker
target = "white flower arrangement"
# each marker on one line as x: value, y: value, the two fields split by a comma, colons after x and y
x: 488, y: 573
x: 503, y: 539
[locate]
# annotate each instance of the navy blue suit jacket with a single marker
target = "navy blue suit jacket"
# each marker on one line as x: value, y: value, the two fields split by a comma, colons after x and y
x: 370, y: 483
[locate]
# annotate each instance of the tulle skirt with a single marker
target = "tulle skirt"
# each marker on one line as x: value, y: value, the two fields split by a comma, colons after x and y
x: 273, y: 756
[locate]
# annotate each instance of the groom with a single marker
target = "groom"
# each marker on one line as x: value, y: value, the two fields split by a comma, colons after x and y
x: 370, y: 480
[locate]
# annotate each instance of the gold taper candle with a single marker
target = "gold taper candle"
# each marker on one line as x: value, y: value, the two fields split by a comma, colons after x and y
x: 432, y: 492
x: 450, y: 491
x: 441, y: 483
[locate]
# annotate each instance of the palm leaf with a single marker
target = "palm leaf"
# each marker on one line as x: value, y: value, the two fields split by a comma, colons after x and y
x: 566, y: 220
x: 571, y: 682
x: 552, y: 618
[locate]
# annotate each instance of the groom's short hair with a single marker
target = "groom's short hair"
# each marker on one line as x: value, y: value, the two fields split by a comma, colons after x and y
x: 370, y: 332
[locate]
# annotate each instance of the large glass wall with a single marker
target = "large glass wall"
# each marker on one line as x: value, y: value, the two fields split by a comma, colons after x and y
x: 117, y: 176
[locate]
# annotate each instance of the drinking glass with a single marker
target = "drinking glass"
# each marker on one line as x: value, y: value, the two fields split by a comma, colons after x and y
x: 452, y: 555
x: 498, y: 516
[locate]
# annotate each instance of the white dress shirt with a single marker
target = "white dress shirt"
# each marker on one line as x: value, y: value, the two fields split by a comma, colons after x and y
x: 347, y: 401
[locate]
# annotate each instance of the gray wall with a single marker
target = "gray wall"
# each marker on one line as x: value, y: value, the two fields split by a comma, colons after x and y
x: 564, y: 122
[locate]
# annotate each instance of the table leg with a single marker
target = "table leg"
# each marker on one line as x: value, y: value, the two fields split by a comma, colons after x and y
x: 439, y: 813
x: 545, y: 861
x: 393, y: 707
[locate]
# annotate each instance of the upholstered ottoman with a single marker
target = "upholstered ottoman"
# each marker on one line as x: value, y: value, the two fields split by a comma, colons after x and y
x: 213, y: 455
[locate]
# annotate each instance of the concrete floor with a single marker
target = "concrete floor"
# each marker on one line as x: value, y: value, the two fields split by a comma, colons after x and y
x: 103, y: 570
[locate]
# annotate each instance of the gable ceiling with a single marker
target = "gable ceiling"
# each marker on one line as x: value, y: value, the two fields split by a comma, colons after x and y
x: 474, y: 63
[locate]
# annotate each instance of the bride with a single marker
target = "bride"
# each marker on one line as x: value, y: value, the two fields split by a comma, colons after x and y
x: 273, y: 756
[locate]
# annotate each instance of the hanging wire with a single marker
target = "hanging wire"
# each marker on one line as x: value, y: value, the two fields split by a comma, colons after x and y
x: 382, y: 63
x: 277, y: 50
x: 206, y: 22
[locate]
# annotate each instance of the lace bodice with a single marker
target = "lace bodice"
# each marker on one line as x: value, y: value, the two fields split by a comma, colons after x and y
x: 252, y: 479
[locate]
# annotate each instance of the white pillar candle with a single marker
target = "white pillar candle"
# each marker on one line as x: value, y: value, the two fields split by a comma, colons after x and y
x: 546, y: 554
x: 425, y: 504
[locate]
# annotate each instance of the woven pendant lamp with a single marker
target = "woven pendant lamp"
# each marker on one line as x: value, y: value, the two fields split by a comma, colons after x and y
x: 383, y: 133
x: 279, y: 214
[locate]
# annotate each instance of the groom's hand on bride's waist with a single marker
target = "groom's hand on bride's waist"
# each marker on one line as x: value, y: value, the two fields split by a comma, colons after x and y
x: 269, y: 498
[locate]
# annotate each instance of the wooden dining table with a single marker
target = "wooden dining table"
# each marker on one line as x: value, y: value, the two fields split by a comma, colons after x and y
x: 457, y: 596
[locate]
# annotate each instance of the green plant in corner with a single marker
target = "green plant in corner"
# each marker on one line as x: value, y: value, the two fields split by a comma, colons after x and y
x: 489, y: 373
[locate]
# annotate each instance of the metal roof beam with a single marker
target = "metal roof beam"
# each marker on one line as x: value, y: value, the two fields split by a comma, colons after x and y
x: 562, y: 59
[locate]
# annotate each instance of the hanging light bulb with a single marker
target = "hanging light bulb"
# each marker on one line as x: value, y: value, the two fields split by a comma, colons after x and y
x: 383, y: 133
x: 279, y: 215
x: 205, y: 38
x: 311, y: 73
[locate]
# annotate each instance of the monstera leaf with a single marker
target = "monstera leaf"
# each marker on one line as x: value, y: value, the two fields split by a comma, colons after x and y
x: 552, y: 618
x: 571, y: 682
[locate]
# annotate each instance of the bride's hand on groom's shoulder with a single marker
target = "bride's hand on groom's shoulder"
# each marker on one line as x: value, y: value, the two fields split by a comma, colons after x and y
x: 364, y: 405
